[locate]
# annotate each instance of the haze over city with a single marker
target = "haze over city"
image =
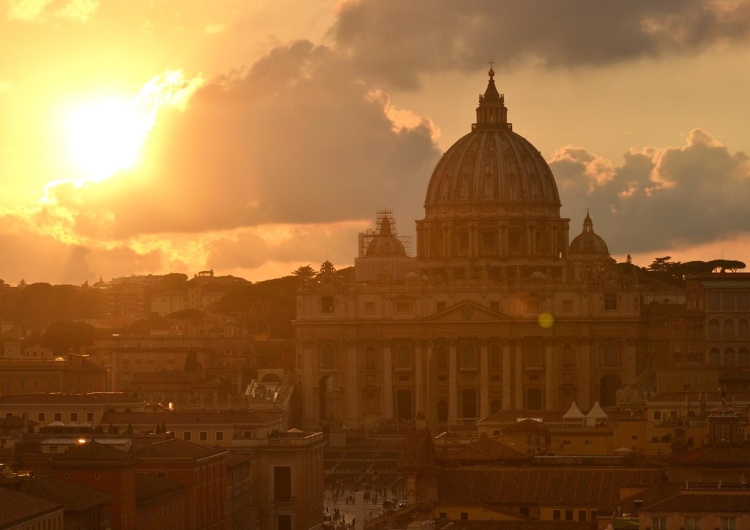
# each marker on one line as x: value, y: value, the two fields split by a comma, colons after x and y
x: 257, y: 137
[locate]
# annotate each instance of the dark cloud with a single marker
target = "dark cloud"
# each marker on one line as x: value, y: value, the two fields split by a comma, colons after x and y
x: 400, y: 41
x: 658, y: 198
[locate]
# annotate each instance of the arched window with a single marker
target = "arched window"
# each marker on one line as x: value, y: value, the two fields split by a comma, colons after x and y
x: 728, y: 329
x: 713, y: 329
x: 729, y: 357
x: 742, y: 329
x: 743, y: 357
x: 714, y: 357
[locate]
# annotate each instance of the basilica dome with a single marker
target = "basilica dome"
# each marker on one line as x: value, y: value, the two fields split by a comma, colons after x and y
x: 491, y: 166
x: 492, y: 198
x: 587, y: 243
x: 385, y: 243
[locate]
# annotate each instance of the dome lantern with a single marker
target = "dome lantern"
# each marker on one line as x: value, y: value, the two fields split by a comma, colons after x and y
x: 491, y: 112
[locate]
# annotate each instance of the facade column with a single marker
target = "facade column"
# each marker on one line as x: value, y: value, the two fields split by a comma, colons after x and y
x: 308, y: 381
x: 352, y: 385
x: 419, y: 378
x: 550, y: 375
x: 484, y: 380
x: 584, y: 378
x: 452, y: 383
x: 507, y: 385
x: 518, y: 375
x: 387, y: 395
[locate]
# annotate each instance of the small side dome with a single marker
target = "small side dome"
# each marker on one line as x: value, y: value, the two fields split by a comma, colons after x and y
x: 385, y: 243
x: 588, y: 243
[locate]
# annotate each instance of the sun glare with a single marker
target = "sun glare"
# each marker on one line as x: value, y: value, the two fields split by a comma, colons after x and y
x: 106, y: 136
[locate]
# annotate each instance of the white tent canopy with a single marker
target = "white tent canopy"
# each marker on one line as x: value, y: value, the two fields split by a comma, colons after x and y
x: 574, y: 413
x: 597, y: 412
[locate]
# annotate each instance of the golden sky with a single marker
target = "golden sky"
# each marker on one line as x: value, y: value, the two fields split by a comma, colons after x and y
x: 254, y: 137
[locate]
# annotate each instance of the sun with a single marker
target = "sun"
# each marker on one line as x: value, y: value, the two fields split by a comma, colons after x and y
x: 105, y: 136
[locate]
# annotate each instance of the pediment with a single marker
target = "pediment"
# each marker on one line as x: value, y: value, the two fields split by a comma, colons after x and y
x: 467, y: 311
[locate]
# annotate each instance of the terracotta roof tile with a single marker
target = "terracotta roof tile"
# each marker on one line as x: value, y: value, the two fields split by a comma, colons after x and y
x: 542, y: 485
x: 418, y: 450
x: 48, y: 397
x: 16, y: 507
x: 516, y: 525
x: 93, y: 452
x: 73, y: 496
x: 178, y: 417
x: 724, y: 455
x: 149, y: 488
x: 176, y: 448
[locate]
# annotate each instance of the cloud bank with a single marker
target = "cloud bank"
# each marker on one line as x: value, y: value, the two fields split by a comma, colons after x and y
x: 281, y: 163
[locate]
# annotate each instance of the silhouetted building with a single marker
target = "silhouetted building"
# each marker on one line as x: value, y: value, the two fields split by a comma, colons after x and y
x: 497, y: 311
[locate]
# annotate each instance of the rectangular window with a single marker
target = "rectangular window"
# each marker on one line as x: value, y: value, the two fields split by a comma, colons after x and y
x: 403, y: 307
x: 692, y: 523
x: 41, y: 416
x: 581, y: 515
x: 728, y: 523
x: 58, y: 416
x: 369, y: 308
x: 73, y: 416
x: 568, y: 515
x: 727, y: 301
x: 556, y: 515
x: 282, y: 483
x: 533, y: 355
x: 713, y: 300
x: 743, y: 301
x: 326, y: 304
x: 403, y: 357
x: 203, y: 436
x: 468, y: 358
x: 659, y: 523
x: 89, y: 417
x: 610, y: 302
x: 567, y: 306
x: 657, y: 415
x: 533, y: 306
x: 187, y: 435
x: 219, y: 436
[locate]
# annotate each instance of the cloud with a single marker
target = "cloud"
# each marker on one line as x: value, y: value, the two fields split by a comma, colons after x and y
x: 402, y: 41
x: 290, y: 140
x: 660, y: 197
x: 81, y: 11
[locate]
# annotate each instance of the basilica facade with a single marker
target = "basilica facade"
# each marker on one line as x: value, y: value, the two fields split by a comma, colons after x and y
x: 498, y: 310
